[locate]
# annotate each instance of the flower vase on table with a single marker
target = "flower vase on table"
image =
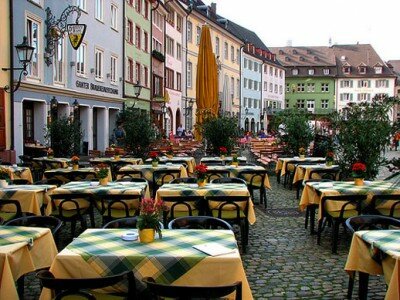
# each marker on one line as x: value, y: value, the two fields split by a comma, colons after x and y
x: 330, y: 156
x: 75, y: 167
x: 103, y: 181
x: 149, y: 220
x: 359, y: 170
x: 201, y: 182
x: 201, y: 173
x: 154, y: 158
x: 359, y: 181
x: 75, y: 162
x: 302, y: 153
x: 50, y: 153
x: 235, y: 161
x: 102, y: 173
x: 222, y: 152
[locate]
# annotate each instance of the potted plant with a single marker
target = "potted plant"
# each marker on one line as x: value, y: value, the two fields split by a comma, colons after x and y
x: 223, y: 151
x: 149, y: 220
x: 102, y: 173
x: 50, y: 153
x: 329, y: 158
x: 75, y: 162
x: 201, y: 174
x: 4, y: 177
x: 235, y: 161
x: 358, y: 171
x: 170, y: 152
x: 154, y: 158
x: 302, y: 152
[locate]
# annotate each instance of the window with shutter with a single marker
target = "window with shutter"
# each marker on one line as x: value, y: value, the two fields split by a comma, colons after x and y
x: 2, y: 121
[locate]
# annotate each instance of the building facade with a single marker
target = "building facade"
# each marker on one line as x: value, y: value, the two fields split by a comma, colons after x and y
x: 394, y: 66
x: 85, y: 83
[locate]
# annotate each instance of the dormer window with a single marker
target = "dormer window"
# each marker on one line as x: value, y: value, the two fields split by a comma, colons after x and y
x: 346, y: 69
x: 362, y: 69
x: 295, y: 72
x: 281, y: 52
x: 301, y: 58
x: 310, y: 71
x: 287, y: 58
x: 326, y: 71
x: 378, y: 69
x: 294, y: 51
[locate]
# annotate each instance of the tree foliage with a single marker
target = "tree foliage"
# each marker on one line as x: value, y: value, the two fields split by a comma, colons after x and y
x: 64, y: 136
x: 220, y: 131
x: 296, y: 132
x: 139, y: 132
x: 363, y: 132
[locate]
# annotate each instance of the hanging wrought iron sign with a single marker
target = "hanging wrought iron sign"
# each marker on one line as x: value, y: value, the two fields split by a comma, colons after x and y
x: 76, y: 32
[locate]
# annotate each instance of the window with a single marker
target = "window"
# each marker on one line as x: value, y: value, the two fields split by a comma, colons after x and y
x: 346, y: 69
x: 178, y: 51
x: 226, y: 51
x: 232, y: 54
x: 217, y: 46
x: 169, y: 78
x: 287, y: 88
x: 245, y: 102
x: 114, y: 17
x: 255, y: 85
x: 311, y: 87
x: 99, y: 56
x: 382, y: 83
x: 346, y: 83
x: 158, y: 85
x: 250, y: 64
x: 170, y: 45
x: 250, y: 86
x: 271, y: 86
x: 378, y: 70
x: 129, y: 37
x: 271, y: 71
x: 171, y: 17
x: 265, y: 86
x: 310, y: 105
x: 137, y: 37
x: 276, y: 72
x: 280, y: 74
x: 276, y: 89
x: 98, y: 14
x: 381, y: 96
x: 295, y: 72
x: 138, y: 73
x: 129, y: 75
x: 245, y: 63
x: 81, y: 4
x: 237, y: 56
x: 364, y: 83
x: 362, y: 69
x: 198, y: 34
x: 300, y: 87
x: 146, y: 76
x: 325, y: 87
x: 58, y: 62
x: 266, y: 69
x: 232, y: 88
x: 280, y: 89
x: 363, y: 97
x: 178, y: 81
x: 310, y: 71
x: 33, y: 33
x: 146, y: 10
x: 255, y: 66
x: 346, y: 97
x: 157, y: 45
x: 249, y: 102
x: 179, y: 22
x: 301, y: 103
x: 189, y: 74
x: 189, y: 32
x: 245, y: 83
x: 238, y: 88
x: 138, y: 6
x: 113, y: 73
x: 158, y: 20
x: 145, y: 41
x: 326, y: 71
x: 324, y: 103
x: 81, y: 60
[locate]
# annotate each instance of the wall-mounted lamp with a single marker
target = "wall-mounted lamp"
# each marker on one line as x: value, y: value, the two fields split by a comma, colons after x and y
x: 24, y: 52
x: 246, y: 111
x: 137, y: 88
x: 53, y: 108
x: 189, y: 105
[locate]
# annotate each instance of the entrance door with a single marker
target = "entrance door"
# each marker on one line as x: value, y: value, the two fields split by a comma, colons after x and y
x: 94, y: 128
x: 29, y: 121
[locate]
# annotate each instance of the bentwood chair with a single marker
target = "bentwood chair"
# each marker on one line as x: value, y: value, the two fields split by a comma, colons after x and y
x: 161, y: 177
x: 199, y: 222
x: 118, y: 206
x: 182, y: 206
x: 255, y: 181
x: 193, y: 292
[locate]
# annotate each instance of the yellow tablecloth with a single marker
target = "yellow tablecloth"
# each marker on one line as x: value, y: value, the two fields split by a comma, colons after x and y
x: 64, y: 161
x: 281, y: 165
x: 210, y: 189
x: 360, y: 259
x: 31, y: 197
x: 62, y: 174
x: 19, y: 258
x: 110, y: 160
x: 171, y: 260
x: 18, y: 172
x: 147, y: 170
x: 188, y: 159
x: 303, y: 171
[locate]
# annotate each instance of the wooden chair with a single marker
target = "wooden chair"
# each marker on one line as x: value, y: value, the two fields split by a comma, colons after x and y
x: 213, y: 174
x: 52, y: 164
x: 229, y: 180
x: 184, y: 180
x: 161, y: 177
x: 255, y: 181
x: 331, y: 174
x: 8, y: 213
x: 212, y: 162
x: 182, y: 206
x: 129, y: 222
x: 122, y: 174
x: 199, y: 222
x: 193, y: 292
x: 116, y: 166
x: 116, y: 206
x: 20, y: 181
x: 82, y: 287
x: 392, y: 209
x: 82, y: 176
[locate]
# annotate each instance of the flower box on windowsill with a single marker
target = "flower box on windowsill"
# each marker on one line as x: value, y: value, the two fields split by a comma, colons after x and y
x: 158, y: 55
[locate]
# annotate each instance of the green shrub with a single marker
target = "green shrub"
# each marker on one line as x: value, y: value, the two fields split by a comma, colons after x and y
x: 220, y: 131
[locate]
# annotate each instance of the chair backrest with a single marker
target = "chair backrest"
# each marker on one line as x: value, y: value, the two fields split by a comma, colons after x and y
x: 161, y: 177
x: 228, y: 180
x: 20, y: 181
x: 66, y: 202
x: 120, y: 174
x: 129, y: 222
x: 193, y: 292
x: 213, y: 174
x: 73, y: 286
x: 130, y: 179
x: 354, y: 201
x: 50, y: 222
x: 253, y: 176
x: 394, y: 202
x: 212, y: 162
x: 6, y: 204
x: 323, y: 173
x: 119, y: 202
x: 198, y: 222
x: 52, y: 181
x: 239, y: 203
x: 116, y: 165
x: 52, y: 164
x: 184, y: 180
x: 81, y: 176
x: 371, y: 222
x: 60, y: 175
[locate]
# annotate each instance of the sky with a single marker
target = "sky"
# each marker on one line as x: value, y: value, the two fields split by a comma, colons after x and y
x: 314, y: 22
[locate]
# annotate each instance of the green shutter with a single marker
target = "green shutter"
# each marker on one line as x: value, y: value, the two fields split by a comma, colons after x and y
x: 351, y: 83
x: 369, y: 83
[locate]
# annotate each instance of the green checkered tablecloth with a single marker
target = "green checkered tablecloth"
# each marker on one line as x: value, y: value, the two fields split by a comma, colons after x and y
x: 190, y: 161
x: 147, y: 170
x: 281, y: 165
x: 225, y: 159
x: 387, y: 241
x: 18, y: 234
x: 136, y: 161
x: 165, y: 259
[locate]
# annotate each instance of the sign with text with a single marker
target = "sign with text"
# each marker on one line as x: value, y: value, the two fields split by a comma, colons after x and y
x: 76, y: 32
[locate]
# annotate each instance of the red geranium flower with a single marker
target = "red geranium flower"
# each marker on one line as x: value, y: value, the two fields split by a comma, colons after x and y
x: 201, y: 171
x: 358, y: 170
x: 153, y: 154
x: 223, y: 150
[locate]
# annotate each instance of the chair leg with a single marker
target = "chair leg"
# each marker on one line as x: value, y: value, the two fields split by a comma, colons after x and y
x: 363, y: 285
x: 91, y: 215
x: 319, y: 232
x: 21, y: 287
x: 335, y: 234
x: 307, y: 216
x: 73, y: 226
x: 350, y: 285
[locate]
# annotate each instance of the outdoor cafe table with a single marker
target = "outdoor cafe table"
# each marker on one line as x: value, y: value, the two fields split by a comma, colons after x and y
x: 110, y: 160
x: 62, y: 160
x: 225, y: 160
x: 210, y: 189
x: 234, y: 171
x: 62, y: 174
x: 377, y: 252
x: 23, y: 250
x: 189, y: 160
x: 314, y: 191
x: 302, y: 172
x: 31, y: 197
x: 147, y: 170
x: 94, y: 189
x: 16, y: 172
x: 170, y: 260
x: 281, y: 165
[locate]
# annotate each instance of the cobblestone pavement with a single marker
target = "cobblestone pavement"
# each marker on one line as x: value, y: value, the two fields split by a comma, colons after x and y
x: 283, y: 261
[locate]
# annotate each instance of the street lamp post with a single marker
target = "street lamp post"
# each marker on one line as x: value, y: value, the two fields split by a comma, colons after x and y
x: 164, y: 112
x: 137, y: 88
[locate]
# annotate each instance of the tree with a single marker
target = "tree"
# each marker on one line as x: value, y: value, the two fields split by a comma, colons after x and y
x: 138, y: 129
x: 220, y: 131
x: 295, y: 130
x: 363, y: 132
x: 64, y: 136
